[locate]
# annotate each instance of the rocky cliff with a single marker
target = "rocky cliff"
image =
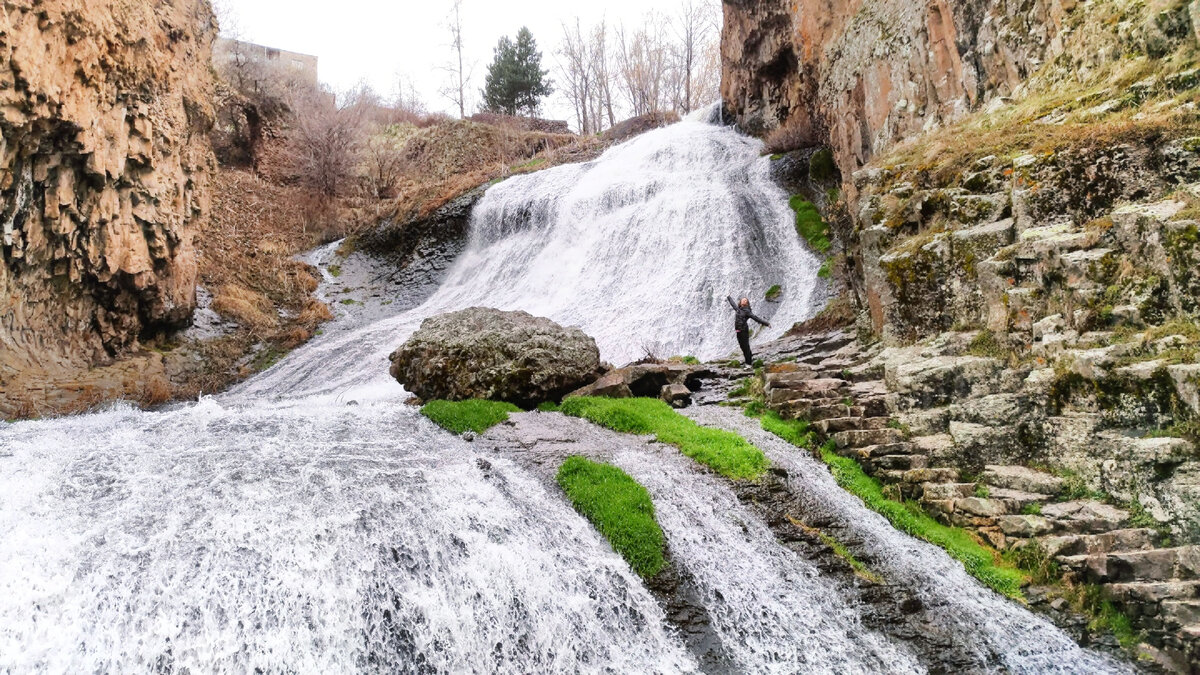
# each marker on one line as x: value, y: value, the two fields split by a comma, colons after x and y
x: 863, y: 74
x: 105, y: 167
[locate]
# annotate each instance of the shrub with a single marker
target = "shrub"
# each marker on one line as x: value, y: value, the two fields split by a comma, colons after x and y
x: 619, y: 508
x: 726, y: 453
x: 474, y: 415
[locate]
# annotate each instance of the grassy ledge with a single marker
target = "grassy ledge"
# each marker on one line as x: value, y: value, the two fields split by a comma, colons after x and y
x: 462, y: 416
x: 980, y: 561
x: 726, y: 453
x: 810, y: 224
x: 619, y: 508
x: 839, y: 549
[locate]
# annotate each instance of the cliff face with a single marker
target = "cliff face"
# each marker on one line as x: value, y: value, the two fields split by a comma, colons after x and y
x: 862, y: 74
x: 105, y: 167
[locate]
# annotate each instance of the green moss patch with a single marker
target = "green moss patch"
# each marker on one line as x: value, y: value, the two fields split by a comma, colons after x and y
x: 726, y: 453
x: 619, y: 508
x: 474, y: 415
x: 810, y: 224
x: 774, y: 292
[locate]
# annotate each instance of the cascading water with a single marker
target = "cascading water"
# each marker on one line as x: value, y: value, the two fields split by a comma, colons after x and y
x: 308, y: 522
x: 639, y: 248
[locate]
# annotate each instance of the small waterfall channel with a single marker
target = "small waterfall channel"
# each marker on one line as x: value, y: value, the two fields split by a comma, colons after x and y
x: 307, y: 521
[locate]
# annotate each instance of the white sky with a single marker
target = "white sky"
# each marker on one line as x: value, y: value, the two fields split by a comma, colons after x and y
x: 379, y: 41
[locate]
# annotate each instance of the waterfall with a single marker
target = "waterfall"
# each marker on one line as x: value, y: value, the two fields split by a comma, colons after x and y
x: 307, y: 521
x: 639, y: 248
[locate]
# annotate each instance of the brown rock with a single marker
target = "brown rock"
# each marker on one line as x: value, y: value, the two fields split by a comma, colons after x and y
x: 105, y: 171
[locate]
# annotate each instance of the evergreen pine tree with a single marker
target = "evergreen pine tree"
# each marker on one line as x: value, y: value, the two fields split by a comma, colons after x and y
x: 515, y: 82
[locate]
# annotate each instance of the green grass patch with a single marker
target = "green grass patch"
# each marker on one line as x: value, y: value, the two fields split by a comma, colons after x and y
x: 619, y: 508
x: 726, y: 453
x: 335, y: 270
x: 547, y: 406
x: 349, y: 301
x: 474, y: 415
x: 774, y: 292
x: 826, y: 269
x: 810, y: 224
x: 796, y: 432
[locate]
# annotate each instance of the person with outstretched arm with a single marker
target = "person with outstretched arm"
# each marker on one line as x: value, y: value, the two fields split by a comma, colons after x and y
x: 741, y: 323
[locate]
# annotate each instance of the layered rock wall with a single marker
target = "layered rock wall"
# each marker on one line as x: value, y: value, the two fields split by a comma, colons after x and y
x: 105, y: 166
x: 863, y: 74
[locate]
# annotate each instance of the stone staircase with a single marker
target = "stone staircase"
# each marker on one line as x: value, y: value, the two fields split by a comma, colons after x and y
x: 837, y: 388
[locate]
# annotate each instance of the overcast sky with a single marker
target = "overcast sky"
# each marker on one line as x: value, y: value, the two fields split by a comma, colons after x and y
x: 380, y: 41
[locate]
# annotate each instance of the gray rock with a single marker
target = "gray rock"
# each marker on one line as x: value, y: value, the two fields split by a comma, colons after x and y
x: 678, y: 395
x: 1021, y: 478
x: 1024, y: 525
x: 487, y: 353
x: 1086, y: 516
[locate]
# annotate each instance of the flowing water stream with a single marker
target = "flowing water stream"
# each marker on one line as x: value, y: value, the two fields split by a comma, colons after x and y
x: 307, y: 521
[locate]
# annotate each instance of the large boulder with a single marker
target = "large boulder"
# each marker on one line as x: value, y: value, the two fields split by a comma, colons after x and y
x: 503, y: 356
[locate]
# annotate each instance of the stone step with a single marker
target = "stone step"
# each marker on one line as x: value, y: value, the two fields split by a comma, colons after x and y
x: 930, y: 475
x: 1137, y: 539
x: 863, y: 438
x: 825, y: 412
x: 1021, y: 478
x: 946, y: 491
x: 1016, y: 500
x: 850, y: 423
x: 1164, y: 564
x: 1024, y: 525
x: 981, y: 506
x: 865, y: 372
x: 896, y: 463
x: 882, y: 450
x: 1154, y: 591
x: 1086, y: 516
x: 800, y: 408
x: 836, y: 424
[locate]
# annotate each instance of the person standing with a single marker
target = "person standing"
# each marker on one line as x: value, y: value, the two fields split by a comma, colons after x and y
x: 741, y: 323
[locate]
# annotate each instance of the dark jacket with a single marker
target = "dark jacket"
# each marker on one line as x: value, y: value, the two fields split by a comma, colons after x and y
x: 742, y: 316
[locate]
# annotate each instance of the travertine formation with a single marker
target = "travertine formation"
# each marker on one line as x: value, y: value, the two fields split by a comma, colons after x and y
x: 105, y: 166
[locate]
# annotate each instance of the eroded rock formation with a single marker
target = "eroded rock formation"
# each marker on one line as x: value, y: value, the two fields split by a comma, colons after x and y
x: 105, y: 166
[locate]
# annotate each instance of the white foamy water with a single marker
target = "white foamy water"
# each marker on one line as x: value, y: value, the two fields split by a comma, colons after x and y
x: 279, y: 528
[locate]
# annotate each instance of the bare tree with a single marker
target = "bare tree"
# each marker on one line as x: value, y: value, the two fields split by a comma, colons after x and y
x: 324, y: 142
x: 459, y: 83
x: 644, y: 61
x: 603, y: 71
x: 576, y: 65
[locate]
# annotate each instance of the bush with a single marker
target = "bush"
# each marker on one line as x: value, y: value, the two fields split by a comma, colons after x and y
x: 475, y: 415
x: 619, y: 508
x: 726, y: 453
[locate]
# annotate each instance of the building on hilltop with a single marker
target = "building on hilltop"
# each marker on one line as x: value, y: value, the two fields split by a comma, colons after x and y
x: 257, y: 67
